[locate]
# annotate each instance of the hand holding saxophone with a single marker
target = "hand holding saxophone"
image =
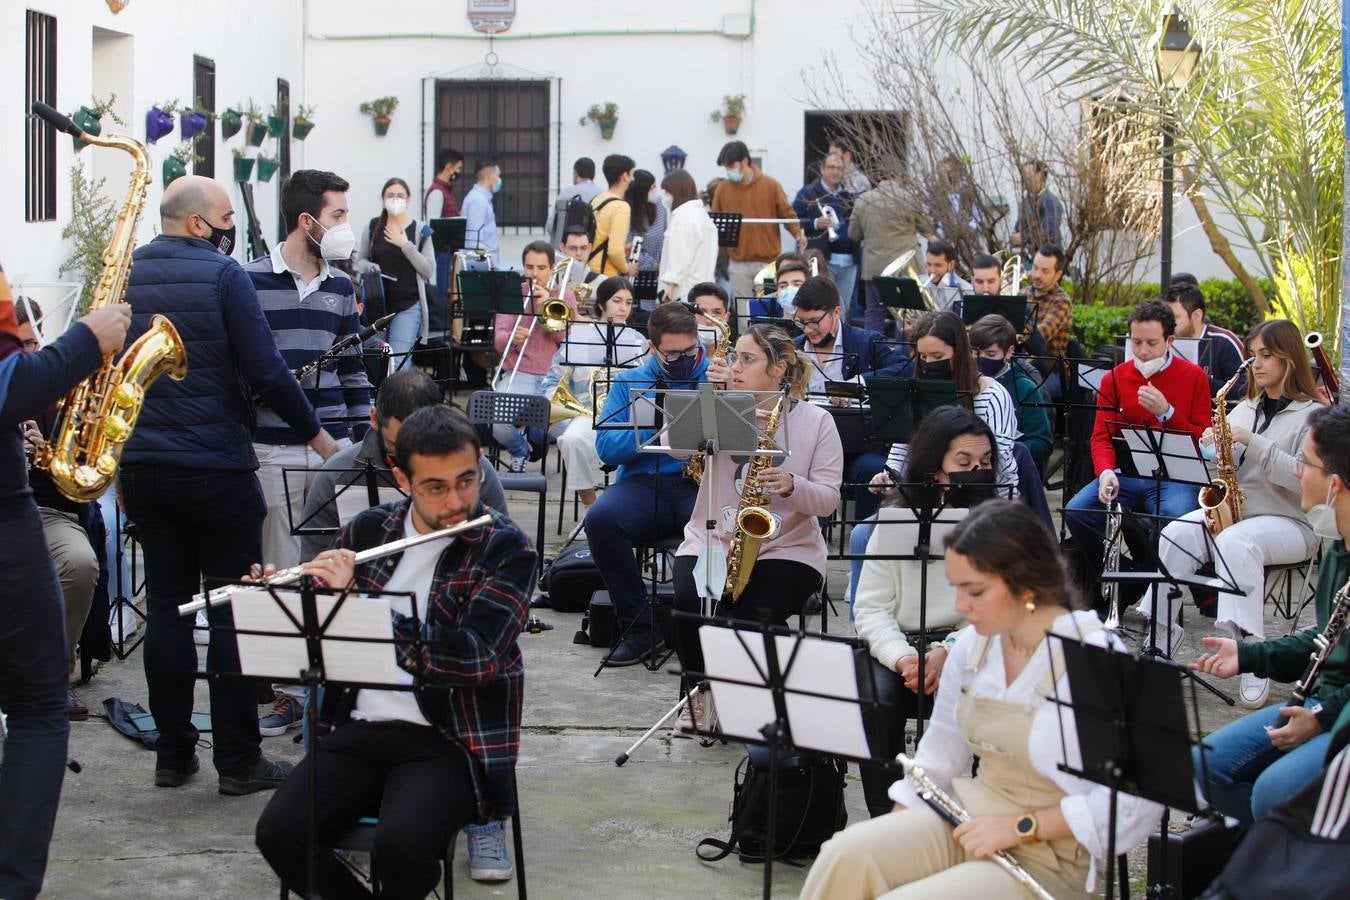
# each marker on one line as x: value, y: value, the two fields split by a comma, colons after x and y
x: 775, y: 481
x: 109, y: 325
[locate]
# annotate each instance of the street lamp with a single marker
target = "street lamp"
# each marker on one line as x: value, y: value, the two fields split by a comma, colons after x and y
x: 1178, y: 55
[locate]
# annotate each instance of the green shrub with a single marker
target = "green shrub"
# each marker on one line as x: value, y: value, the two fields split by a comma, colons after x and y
x: 1095, y: 325
x: 1226, y: 304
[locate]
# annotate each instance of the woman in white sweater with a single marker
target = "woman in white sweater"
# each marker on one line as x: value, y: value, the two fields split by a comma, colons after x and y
x: 899, y: 607
x: 689, y: 253
x: 995, y: 700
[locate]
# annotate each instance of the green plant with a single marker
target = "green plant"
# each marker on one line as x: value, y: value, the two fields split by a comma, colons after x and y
x: 238, y: 153
x: 186, y: 152
x: 733, y: 107
x: 170, y: 108
x: 92, y: 216
x: 380, y: 107
x: 304, y: 113
x: 1228, y: 303
x: 602, y: 115
x: 1095, y: 325
x: 104, y: 108
x: 253, y: 114
x: 200, y: 108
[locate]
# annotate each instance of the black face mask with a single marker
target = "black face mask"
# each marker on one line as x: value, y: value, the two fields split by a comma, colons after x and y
x: 454, y: 176
x: 220, y: 238
x: 938, y: 369
x: 971, y: 487
x: 990, y: 367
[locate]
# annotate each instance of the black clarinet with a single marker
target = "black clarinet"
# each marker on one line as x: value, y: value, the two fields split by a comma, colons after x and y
x: 1323, y: 644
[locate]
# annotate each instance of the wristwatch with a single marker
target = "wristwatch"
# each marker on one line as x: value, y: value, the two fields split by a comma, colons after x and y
x: 1026, y: 828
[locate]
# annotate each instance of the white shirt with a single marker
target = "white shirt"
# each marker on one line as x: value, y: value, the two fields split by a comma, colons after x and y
x: 305, y: 288
x: 415, y: 569
x: 689, y: 252
x: 944, y: 752
x: 826, y: 365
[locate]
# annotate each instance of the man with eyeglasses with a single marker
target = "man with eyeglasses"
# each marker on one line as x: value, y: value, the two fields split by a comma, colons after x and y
x: 650, y: 498
x: 432, y: 762
x: 837, y: 351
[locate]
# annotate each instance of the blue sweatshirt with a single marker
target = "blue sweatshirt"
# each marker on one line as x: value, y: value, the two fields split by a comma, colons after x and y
x: 617, y: 446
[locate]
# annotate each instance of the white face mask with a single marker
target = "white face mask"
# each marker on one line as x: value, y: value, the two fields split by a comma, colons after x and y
x: 395, y: 206
x: 338, y: 242
x: 1322, y: 517
x: 1150, y: 368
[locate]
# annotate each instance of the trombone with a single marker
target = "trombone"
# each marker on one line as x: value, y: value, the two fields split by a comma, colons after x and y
x: 555, y: 314
x: 1011, y: 273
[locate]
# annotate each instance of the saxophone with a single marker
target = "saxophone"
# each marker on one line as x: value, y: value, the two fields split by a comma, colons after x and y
x: 1222, y: 499
x: 693, y: 470
x: 754, y: 523
x: 95, y: 419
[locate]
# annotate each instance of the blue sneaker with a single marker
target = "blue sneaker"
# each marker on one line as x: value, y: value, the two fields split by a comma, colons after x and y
x: 287, y: 713
x: 488, y: 856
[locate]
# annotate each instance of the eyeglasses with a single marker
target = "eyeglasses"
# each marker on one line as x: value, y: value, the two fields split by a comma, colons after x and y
x: 438, y: 490
x: 671, y: 356
x: 810, y: 323
x: 735, y: 358
x: 1300, y: 460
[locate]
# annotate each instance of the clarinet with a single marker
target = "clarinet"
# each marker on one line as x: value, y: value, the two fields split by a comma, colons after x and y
x: 1323, y: 644
x: 949, y: 808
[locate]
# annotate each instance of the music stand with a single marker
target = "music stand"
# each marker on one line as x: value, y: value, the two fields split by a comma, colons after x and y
x: 899, y: 404
x: 644, y: 286
x: 491, y: 291
x: 1132, y: 730
x: 900, y: 293
x: 728, y: 226
x: 1012, y: 307
x: 447, y: 234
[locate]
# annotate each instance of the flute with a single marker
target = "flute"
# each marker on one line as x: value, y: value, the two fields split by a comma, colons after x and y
x: 292, y: 575
x: 949, y: 808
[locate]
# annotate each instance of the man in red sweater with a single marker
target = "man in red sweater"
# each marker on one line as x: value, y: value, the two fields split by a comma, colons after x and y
x: 1157, y: 388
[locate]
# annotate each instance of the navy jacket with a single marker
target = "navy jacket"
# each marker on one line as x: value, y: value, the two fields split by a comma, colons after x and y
x: 206, y: 421
x: 841, y: 201
x: 867, y: 353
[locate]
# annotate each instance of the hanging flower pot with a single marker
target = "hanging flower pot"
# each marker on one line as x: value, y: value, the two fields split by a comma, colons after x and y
x: 231, y: 120
x: 381, y: 125
x: 731, y: 113
x: 173, y: 168
x: 89, y: 123
x: 607, y: 129
x: 243, y: 168
x: 257, y: 133
x: 276, y: 126
x: 157, y: 124
x: 301, y: 128
x: 267, y: 167
x: 191, y: 124
x: 606, y: 117
x: 379, y: 110
x: 732, y: 124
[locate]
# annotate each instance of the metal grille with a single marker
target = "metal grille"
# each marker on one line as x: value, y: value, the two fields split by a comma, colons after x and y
x: 505, y: 122
x: 39, y: 156
x: 204, y: 99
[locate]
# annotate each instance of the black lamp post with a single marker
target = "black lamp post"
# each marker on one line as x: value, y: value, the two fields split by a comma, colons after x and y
x: 1178, y: 55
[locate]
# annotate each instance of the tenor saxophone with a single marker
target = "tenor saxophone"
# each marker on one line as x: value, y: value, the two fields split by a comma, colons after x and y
x: 754, y: 523
x: 949, y: 808
x: 96, y: 418
x: 1222, y: 499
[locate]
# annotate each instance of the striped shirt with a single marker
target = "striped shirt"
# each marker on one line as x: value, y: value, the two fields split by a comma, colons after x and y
x: 994, y: 405
x: 306, y: 318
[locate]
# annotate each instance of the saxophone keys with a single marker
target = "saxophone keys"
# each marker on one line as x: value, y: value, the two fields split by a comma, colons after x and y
x: 116, y: 429
x: 106, y: 465
x: 127, y: 394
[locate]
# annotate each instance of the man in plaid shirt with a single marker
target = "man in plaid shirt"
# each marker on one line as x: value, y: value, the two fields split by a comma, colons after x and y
x: 1053, y: 309
x: 432, y: 761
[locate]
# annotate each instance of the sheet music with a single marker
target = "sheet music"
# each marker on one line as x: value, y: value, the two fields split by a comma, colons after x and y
x: 1091, y: 377
x: 267, y: 656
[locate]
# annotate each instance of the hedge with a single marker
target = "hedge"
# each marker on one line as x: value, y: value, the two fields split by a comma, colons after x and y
x: 1226, y: 304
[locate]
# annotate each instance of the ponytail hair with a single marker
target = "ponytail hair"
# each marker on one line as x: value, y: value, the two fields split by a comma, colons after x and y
x: 778, y: 347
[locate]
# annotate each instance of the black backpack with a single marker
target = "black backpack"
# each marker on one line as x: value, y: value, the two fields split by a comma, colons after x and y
x: 603, y: 250
x: 810, y: 808
x: 579, y: 213
x: 570, y: 578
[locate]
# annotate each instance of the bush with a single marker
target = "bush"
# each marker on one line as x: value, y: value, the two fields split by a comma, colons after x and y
x: 1095, y: 325
x: 1227, y: 304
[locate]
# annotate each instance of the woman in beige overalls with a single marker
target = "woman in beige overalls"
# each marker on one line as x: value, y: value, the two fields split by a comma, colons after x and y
x: 993, y: 702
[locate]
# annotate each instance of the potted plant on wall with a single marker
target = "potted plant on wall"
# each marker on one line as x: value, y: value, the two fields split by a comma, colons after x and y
x: 303, y: 123
x: 90, y: 118
x: 231, y: 120
x: 379, y: 110
x: 194, y: 121
x: 731, y: 113
x: 159, y: 120
x: 276, y: 121
x: 176, y: 163
x: 267, y: 166
x: 243, y: 165
x: 606, y: 117
x: 257, y: 125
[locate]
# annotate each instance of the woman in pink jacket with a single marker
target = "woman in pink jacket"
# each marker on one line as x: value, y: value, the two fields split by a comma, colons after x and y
x: 801, y: 488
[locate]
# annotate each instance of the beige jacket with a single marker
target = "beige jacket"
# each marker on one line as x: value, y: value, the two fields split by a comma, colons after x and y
x: 885, y: 220
x: 1266, y: 469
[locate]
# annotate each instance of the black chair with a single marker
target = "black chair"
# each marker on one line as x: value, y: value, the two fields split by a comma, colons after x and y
x: 1280, y: 590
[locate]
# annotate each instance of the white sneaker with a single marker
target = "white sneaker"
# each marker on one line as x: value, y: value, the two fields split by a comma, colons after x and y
x: 1253, y: 691
x: 1176, y: 635
x: 201, y: 630
x: 517, y: 464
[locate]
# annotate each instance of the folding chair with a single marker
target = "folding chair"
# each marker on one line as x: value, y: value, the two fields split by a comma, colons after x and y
x: 1280, y: 592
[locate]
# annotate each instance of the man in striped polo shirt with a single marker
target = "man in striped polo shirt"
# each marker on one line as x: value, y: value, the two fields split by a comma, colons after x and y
x: 309, y: 305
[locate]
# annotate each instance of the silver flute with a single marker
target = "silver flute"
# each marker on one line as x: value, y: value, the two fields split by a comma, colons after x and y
x: 292, y: 575
x: 949, y: 808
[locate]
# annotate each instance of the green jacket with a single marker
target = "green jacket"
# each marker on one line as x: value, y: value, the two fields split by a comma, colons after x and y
x: 1033, y: 420
x: 1285, y: 659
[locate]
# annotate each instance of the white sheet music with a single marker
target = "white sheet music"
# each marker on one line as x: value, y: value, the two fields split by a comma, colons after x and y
x: 1179, y: 451
x: 1091, y: 377
x: 283, y: 656
x: 354, y: 500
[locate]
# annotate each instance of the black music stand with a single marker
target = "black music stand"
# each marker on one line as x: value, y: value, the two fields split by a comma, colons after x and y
x: 1134, y: 737
x: 1012, y: 307
x: 447, y: 234
x: 491, y: 291
x: 644, y: 286
x: 365, y: 486
x: 900, y: 293
x: 899, y: 404
x: 728, y: 226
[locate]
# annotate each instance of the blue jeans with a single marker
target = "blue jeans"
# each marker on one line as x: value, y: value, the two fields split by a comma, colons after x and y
x: 846, y: 279
x: 1085, y: 515
x: 857, y: 546
x: 403, y: 334
x: 637, y: 510
x: 511, y: 438
x: 33, y: 661
x: 858, y: 470
x: 196, y: 523
x: 1247, y: 775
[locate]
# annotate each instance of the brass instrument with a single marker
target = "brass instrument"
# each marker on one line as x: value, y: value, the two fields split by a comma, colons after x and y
x: 904, y: 266
x: 764, y: 280
x: 1011, y: 273
x: 1111, y: 563
x: 1325, y: 643
x: 814, y: 265
x: 754, y: 523
x: 950, y: 809
x: 693, y: 470
x: 565, y: 405
x: 1313, y: 342
x: 96, y: 418
x: 581, y: 293
x: 1222, y: 498
x: 292, y: 575
x: 554, y: 313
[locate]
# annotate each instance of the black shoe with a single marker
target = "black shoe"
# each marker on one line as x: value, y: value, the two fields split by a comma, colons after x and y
x: 632, y: 651
x: 176, y: 777
x: 264, y: 775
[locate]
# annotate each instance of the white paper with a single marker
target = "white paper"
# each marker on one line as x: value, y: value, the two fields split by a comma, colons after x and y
x: 741, y: 710
x: 285, y: 656
x: 1091, y: 377
x: 354, y: 499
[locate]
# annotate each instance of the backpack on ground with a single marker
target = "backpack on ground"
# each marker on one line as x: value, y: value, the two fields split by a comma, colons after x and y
x: 570, y: 578
x: 810, y: 807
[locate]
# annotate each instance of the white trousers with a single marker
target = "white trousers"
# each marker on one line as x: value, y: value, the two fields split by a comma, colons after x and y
x: 577, y: 444
x: 1245, y: 549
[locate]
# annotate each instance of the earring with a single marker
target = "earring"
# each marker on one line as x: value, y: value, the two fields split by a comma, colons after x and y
x: 1030, y: 606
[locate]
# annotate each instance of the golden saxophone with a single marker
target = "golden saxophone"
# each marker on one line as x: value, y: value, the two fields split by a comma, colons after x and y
x: 754, y: 523
x: 1222, y: 499
x: 950, y: 809
x: 693, y: 470
x: 95, y: 419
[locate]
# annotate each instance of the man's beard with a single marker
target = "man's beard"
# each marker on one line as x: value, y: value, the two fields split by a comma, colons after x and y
x: 314, y: 243
x: 443, y: 520
x: 825, y: 342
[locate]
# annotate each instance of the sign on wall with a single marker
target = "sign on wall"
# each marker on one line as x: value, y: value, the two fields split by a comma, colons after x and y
x: 491, y: 16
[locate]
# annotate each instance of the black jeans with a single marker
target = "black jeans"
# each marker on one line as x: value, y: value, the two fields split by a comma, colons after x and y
x: 33, y: 684
x: 411, y: 777
x: 884, y: 726
x: 780, y: 586
x: 191, y: 525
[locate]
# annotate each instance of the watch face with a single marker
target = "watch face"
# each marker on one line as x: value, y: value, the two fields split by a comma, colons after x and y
x: 1025, y: 825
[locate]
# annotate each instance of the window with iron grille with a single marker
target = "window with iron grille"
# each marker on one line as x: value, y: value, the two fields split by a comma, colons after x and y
x: 506, y: 122
x: 39, y: 157
x: 204, y: 96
